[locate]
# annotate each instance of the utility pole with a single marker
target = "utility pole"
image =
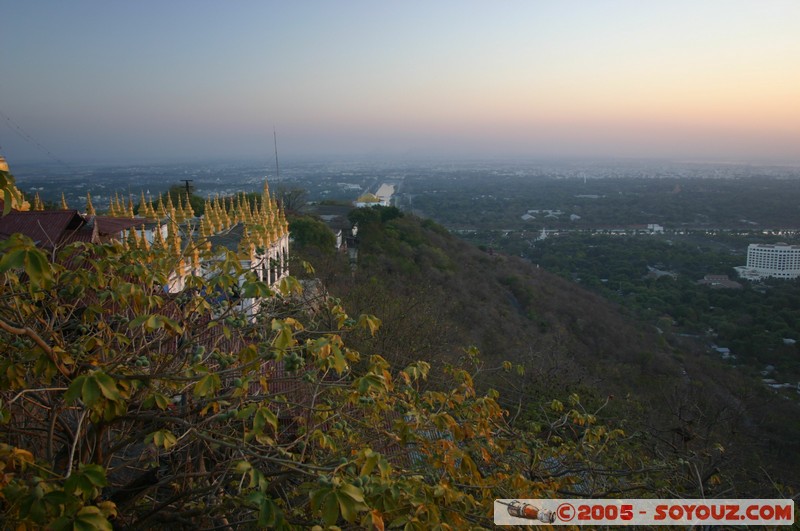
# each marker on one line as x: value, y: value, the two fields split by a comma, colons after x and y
x: 188, y: 189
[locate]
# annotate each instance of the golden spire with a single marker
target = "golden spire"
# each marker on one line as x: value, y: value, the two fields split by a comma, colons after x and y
x: 269, y: 220
x: 180, y: 213
x: 195, y: 250
x: 283, y: 224
x: 264, y: 240
x: 158, y: 238
x: 235, y: 213
x: 265, y: 191
x: 133, y: 239
x: 225, y: 219
x: 144, y: 243
x: 255, y: 213
x: 213, y: 216
x: 174, y: 238
x: 89, y: 206
x: 217, y: 213
x: 173, y: 214
x: 246, y: 245
x: 64, y: 205
x: 189, y: 211
x: 206, y: 214
x: 206, y: 223
x: 37, y: 203
x: 236, y: 210
x: 151, y: 211
x: 247, y: 214
x: 129, y: 212
x: 160, y: 209
x: 143, y: 206
x: 205, y: 227
x: 196, y: 259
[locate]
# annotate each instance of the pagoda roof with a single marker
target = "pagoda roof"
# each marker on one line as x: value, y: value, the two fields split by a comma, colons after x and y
x: 368, y: 198
x: 55, y: 228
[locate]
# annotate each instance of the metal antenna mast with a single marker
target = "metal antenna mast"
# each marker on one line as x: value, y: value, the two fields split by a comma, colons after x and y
x: 277, y: 167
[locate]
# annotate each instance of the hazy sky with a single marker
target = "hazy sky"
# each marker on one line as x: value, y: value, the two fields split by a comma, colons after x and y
x: 188, y: 79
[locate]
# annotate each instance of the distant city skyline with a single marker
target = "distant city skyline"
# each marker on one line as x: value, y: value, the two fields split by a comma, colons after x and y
x: 187, y: 80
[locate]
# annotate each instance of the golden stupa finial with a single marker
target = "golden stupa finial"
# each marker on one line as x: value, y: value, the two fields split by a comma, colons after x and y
x: 37, y: 202
x: 89, y: 206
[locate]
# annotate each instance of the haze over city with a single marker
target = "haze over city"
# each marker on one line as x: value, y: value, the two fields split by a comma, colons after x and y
x: 184, y: 80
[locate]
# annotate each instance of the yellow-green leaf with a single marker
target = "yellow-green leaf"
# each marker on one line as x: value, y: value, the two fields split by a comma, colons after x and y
x: 370, y: 322
x: 107, y: 385
x: 207, y: 385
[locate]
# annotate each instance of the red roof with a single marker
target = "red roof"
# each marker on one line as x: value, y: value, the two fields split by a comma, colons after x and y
x: 47, y: 228
x: 54, y: 228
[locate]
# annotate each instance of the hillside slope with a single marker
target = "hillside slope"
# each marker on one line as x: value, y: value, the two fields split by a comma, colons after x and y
x: 438, y: 295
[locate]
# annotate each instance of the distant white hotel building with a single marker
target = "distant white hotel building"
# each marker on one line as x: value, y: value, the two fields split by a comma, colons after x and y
x: 771, y: 260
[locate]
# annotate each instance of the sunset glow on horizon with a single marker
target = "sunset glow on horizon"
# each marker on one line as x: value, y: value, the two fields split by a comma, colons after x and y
x: 607, y: 78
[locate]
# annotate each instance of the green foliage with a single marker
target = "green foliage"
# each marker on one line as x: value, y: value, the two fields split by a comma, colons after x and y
x: 309, y: 231
x: 753, y: 323
x: 374, y: 215
x: 19, y: 255
x: 291, y: 199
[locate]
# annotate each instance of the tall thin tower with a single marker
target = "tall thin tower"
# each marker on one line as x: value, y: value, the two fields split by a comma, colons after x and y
x: 277, y: 166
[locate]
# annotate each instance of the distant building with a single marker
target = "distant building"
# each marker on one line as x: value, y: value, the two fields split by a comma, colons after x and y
x: 385, y: 193
x: 724, y: 352
x: 542, y: 236
x: 370, y: 200
x: 548, y: 213
x: 719, y: 282
x: 778, y: 260
x: 383, y: 197
x: 628, y: 230
x: 654, y: 272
